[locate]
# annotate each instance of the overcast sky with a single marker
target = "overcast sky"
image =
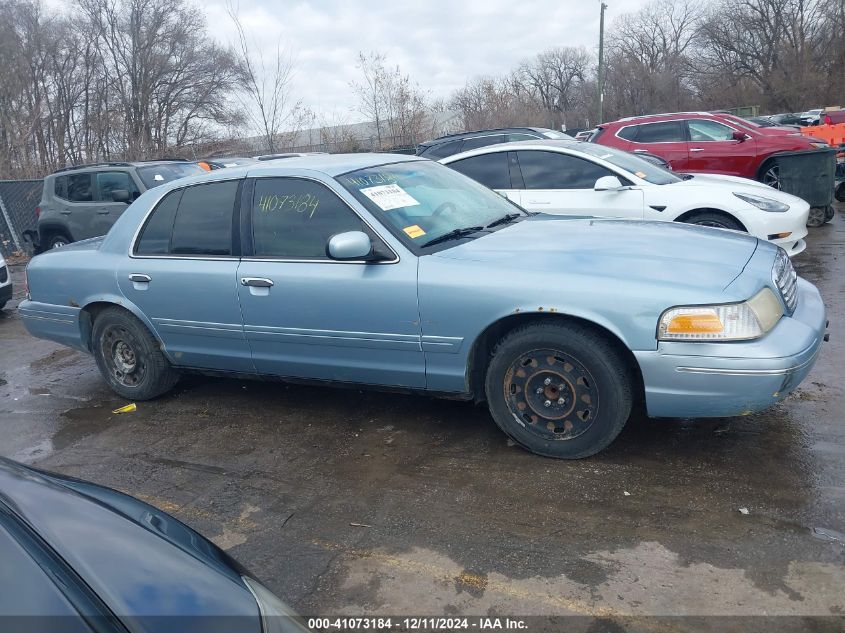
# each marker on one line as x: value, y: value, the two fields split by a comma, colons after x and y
x: 440, y: 43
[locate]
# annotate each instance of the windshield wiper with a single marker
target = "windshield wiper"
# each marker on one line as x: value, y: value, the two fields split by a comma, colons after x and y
x: 505, y: 219
x: 453, y: 234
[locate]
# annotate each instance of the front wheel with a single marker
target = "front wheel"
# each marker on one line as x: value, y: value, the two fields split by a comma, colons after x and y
x: 770, y: 175
x: 559, y: 390
x: 129, y: 357
x: 716, y: 220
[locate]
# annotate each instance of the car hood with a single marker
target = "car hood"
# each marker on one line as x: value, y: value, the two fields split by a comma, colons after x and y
x: 662, y: 252
x: 142, y: 562
x: 735, y: 184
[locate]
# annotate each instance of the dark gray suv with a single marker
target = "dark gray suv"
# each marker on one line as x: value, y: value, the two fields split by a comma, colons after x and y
x: 84, y: 201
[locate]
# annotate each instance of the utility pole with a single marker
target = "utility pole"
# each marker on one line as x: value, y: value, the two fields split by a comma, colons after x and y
x: 601, y: 63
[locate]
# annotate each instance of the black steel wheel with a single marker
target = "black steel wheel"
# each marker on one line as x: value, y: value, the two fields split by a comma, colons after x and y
x: 129, y: 357
x: 558, y: 389
x: 553, y: 393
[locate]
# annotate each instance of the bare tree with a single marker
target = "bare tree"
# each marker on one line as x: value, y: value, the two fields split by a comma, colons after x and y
x: 370, y: 90
x: 266, y: 85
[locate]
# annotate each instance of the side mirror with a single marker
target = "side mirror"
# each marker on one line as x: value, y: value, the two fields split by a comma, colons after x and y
x: 607, y: 183
x: 349, y: 245
x: 120, y: 195
x: 739, y: 136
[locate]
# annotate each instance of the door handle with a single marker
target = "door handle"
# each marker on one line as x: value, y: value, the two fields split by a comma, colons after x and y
x: 640, y: 151
x: 102, y: 211
x: 139, y: 278
x: 257, y: 282
x: 65, y: 211
x: 539, y: 202
x: 696, y: 149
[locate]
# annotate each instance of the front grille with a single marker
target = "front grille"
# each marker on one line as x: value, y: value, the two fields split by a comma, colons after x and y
x: 4, y: 275
x: 786, y: 279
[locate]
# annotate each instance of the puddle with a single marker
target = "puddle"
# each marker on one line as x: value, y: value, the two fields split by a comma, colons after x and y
x: 81, y: 423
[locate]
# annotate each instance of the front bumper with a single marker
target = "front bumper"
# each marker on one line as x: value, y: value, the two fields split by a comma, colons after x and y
x: 699, y: 380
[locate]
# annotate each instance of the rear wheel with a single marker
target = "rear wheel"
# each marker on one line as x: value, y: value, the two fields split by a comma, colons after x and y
x: 559, y: 390
x: 717, y: 220
x: 129, y: 357
x: 840, y: 192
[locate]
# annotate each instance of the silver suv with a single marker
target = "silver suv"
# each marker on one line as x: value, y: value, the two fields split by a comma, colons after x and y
x: 84, y: 201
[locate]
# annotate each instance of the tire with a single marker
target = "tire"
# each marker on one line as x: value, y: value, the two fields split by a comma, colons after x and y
x: 770, y: 175
x: 129, y: 357
x: 717, y: 220
x: 587, y: 407
x: 840, y: 192
x: 2, y: 305
x: 829, y: 213
x: 57, y: 240
x: 817, y: 217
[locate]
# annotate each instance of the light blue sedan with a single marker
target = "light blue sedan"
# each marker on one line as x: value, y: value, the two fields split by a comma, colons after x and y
x: 396, y: 272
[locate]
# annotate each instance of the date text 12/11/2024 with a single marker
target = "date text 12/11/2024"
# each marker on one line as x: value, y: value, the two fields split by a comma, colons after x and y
x: 417, y: 624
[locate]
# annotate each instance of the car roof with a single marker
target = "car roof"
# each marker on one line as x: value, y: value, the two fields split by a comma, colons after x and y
x: 460, y: 135
x: 540, y: 143
x: 667, y: 116
x: 328, y: 164
x: 137, y: 163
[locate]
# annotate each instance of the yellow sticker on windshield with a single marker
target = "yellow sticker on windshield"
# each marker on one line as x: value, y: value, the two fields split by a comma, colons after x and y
x: 414, y: 231
x: 639, y: 174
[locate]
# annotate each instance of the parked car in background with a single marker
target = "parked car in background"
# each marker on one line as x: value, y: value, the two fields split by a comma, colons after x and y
x: 572, y: 178
x: 396, y: 272
x: 264, y: 157
x: 222, y: 162
x: 78, y: 557
x: 84, y: 201
x: 5, y: 283
x: 464, y: 141
x: 811, y: 117
x: 787, y: 119
x: 584, y: 135
x: 833, y: 117
x: 701, y: 142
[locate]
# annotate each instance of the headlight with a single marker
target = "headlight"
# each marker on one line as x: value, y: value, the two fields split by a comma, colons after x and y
x: 766, y: 204
x: 276, y: 616
x: 730, y: 322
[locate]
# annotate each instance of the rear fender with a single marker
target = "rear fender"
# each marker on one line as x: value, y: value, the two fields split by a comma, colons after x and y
x: 97, y: 303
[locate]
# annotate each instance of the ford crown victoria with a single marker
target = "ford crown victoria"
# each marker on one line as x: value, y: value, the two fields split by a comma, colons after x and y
x: 397, y: 272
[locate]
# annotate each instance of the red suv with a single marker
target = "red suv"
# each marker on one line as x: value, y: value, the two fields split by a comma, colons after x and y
x: 705, y: 142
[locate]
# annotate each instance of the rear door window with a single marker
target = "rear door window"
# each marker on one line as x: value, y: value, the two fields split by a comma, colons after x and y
x: 203, y: 223
x: 491, y: 170
x: 74, y: 188
x: 293, y: 218
x: 661, y: 132
x: 552, y: 170
x: 155, y: 236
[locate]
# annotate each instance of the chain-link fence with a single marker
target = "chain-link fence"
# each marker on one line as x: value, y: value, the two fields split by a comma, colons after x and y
x: 18, y: 199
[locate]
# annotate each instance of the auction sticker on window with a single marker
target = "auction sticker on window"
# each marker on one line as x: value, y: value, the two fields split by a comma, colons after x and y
x: 389, y: 197
x: 414, y: 231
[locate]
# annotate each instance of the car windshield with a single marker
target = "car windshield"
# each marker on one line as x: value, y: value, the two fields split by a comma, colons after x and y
x: 160, y: 173
x: 423, y: 201
x: 631, y: 163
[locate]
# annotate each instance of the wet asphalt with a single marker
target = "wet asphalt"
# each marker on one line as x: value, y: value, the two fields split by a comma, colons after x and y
x: 360, y: 503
